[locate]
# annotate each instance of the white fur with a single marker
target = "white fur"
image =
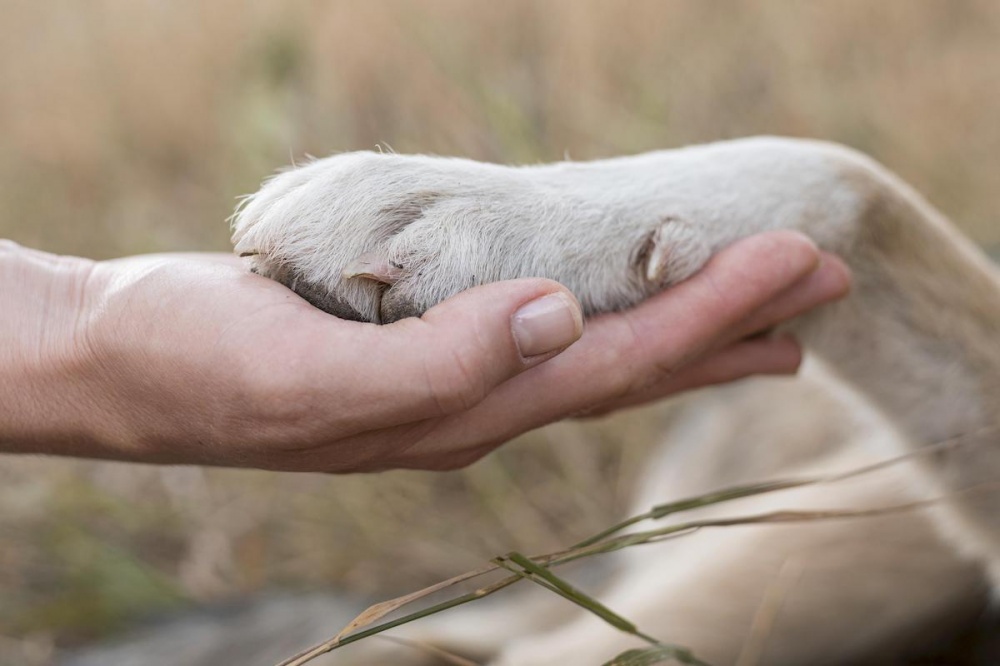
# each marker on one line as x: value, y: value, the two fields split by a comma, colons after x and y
x: 917, y: 338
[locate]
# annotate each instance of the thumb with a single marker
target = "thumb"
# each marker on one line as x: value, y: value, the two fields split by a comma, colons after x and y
x: 464, y: 347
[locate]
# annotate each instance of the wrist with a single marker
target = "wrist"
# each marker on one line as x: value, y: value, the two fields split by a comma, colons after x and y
x: 44, y: 362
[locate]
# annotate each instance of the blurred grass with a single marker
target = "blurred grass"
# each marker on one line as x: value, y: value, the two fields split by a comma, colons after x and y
x: 133, y: 126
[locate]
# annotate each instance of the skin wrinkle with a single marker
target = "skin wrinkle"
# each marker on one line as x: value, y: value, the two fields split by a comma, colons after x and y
x: 444, y: 403
x: 405, y: 438
x: 378, y: 366
x: 431, y: 369
x: 51, y: 353
x: 638, y: 345
x: 81, y: 340
x: 237, y: 324
x: 379, y: 452
x: 472, y: 386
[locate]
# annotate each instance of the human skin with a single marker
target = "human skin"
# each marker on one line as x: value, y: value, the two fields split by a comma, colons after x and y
x: 189, y: 359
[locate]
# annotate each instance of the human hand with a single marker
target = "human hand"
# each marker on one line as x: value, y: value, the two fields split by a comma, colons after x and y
x: 190, y: 359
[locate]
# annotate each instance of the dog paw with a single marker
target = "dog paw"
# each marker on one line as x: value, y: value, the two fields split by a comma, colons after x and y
x: 377, y: 238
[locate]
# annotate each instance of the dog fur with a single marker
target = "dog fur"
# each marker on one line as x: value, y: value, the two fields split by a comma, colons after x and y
x: 378, y: 237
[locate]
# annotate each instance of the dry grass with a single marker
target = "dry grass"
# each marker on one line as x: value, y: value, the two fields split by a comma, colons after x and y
x: 131, y: 127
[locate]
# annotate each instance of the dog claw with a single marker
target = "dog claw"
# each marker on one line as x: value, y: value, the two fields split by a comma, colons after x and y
x: 371, y: 266
x: 658, y: 258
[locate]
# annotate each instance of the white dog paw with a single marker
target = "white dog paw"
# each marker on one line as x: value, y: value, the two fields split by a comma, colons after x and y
x: 374, y: 237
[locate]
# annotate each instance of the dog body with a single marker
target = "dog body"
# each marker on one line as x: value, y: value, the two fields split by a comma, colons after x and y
x: 379, y: 237
x: 917, y: 336
x: 872, y: 591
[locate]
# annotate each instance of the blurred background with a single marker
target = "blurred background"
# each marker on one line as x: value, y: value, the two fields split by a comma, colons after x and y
x: 132, y: 126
